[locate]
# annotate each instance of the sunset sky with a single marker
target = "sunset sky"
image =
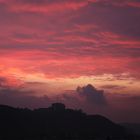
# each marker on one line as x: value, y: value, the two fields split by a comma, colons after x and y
x: 50, y: 47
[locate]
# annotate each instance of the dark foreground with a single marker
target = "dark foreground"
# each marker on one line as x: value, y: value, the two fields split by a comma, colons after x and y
x: 56, y: 123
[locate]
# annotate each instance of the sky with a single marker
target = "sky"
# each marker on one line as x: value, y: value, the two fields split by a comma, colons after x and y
x: 48, y: 48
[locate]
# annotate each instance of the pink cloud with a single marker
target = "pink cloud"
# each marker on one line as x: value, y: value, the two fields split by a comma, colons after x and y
x: 44, y: 6
x: 75, y: 43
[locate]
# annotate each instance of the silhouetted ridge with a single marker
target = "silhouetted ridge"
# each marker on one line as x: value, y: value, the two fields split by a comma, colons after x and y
x: 5, y: 106
x: 54, y: 122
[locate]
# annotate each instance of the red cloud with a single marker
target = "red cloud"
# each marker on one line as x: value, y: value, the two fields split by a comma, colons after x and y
x: 58, y: 64
x: 68, y: 44
x: 45, y: 6
x: 134, y: 4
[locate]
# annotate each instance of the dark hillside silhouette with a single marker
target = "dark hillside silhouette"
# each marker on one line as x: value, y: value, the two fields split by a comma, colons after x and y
x: 55, y: 122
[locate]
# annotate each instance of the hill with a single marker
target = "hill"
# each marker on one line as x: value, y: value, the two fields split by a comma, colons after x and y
x: 55, y: 122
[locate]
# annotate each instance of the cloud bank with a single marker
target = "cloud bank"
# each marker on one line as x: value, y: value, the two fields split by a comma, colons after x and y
x: 87, y: 98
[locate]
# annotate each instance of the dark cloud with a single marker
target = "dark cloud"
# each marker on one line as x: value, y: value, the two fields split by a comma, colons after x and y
x: 92, y: 94
x: 19, y: 98
x: 112, y: 87
x: 124, y: 108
